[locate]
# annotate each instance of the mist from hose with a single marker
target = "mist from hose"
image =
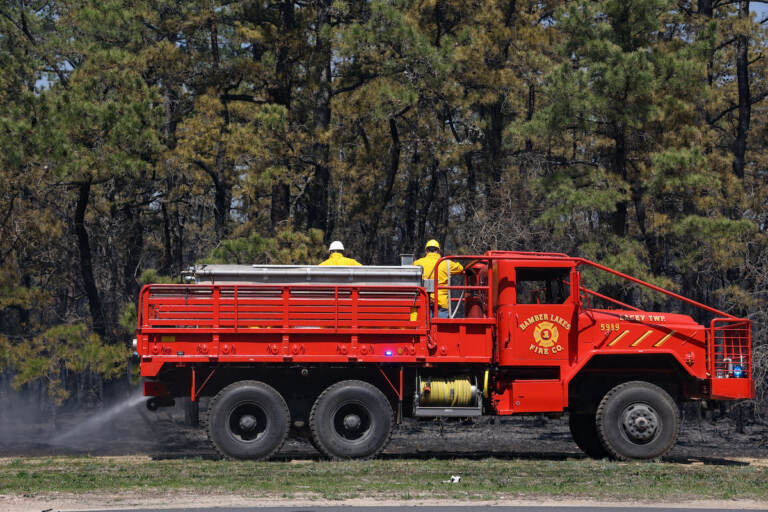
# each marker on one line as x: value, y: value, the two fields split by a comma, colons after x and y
x: 97, y: 421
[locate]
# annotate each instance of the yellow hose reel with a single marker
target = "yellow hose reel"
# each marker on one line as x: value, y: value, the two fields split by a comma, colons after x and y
x: 447, y: 392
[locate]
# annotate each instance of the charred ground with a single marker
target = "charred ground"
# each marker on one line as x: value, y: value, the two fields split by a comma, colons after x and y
x: 126, y: 428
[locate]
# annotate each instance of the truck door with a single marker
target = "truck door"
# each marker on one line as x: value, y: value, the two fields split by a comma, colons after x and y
x: 541, y: 323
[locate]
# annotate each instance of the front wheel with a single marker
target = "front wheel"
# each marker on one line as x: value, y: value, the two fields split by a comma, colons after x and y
x: 248, y: 420
x: 637, y: 420
x: 351, y: 420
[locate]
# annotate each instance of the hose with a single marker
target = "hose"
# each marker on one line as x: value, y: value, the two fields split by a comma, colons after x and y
x: 446, y: 392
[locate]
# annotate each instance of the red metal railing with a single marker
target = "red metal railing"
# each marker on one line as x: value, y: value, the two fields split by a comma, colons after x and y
x: 730, y: 348
x: 588, y: 292
x: 582, y: 261
x: 474, y: 260
x: 169, y: 308
x: 729, y: 338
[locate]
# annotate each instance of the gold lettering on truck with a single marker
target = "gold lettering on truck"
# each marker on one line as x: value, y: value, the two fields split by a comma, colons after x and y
x: 642, y: 318
x: 546, y: 333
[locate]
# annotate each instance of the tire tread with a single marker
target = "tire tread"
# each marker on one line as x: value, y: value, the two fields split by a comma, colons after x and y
x: 313, y: 419
x: 206, y: 420
x: 609, y: 397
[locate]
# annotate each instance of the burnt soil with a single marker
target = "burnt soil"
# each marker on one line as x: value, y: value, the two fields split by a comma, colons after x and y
x: 128, y: 428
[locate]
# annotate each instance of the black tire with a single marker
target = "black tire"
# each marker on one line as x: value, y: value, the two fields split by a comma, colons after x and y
x: 314, y: 443
x: 584, y: 433
x: 351, y: 420
x: 637, y: 420
x: 248, y: 420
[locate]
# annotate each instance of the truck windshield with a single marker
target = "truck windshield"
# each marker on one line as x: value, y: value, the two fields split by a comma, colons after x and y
x: 542, y: 286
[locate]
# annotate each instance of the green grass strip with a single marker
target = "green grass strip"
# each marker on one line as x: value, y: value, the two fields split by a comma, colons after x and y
x: 392, y: 479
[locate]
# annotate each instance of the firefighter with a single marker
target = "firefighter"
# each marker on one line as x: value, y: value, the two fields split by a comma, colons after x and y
x: 337, y: 257
x: 446, y: 270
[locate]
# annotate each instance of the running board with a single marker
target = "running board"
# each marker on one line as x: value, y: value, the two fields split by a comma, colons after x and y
x: 455, y: 412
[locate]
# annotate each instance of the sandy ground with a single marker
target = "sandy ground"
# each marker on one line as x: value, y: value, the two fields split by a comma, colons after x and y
x: 129, y: 430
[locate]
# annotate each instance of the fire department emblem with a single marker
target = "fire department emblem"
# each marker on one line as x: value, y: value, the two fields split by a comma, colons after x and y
x: 546, y: 334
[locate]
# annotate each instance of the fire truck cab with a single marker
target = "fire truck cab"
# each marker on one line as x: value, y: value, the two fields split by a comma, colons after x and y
x: 340, y: 354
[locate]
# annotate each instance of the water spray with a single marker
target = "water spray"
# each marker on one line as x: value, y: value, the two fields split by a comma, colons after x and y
x: 100, y: 419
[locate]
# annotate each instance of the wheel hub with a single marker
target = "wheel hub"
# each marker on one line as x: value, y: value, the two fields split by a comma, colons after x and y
x: 352, y: 422
x: 248, y: 422
x: 640, y: 422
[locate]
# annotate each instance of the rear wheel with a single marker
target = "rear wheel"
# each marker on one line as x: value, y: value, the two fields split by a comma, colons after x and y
x: 248, y: 420
x: 351, y: 420
x: 637, y: 420
x: 584, y: 433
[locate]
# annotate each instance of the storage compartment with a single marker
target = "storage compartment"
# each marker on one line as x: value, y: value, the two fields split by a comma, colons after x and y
x: 523, y: 396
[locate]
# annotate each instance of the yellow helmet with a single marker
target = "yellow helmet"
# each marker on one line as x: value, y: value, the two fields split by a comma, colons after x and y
x: 432, y: 243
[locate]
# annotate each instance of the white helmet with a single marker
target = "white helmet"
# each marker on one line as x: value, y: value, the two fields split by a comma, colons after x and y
x: 336, y: 246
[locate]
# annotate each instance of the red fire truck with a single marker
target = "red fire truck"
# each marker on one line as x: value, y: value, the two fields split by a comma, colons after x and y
x: 340, y: 354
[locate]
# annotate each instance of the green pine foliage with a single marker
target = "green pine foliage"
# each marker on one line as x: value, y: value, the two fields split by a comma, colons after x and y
x: 63, y: 348
x: 286, y: 248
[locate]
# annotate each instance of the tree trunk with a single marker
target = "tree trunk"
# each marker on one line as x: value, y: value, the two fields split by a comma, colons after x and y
x: 281, y: 203
x: 221, y: 206
x: 134, y: 249
x: 637, y: 198
x: 214, y: 40
x: 522, y: 191
x: 282, y: 93
x: 318, y: 190
x: 167, y: 241
x: 410, y: 238
x: 170, y: 101
x: 745, y: 100
x: 620, y: 171
x: 179, y: 243
x: 222, y: 193
x: 530, y: 110
x: 86, y: 265
x: 471, y: 185
x: 427, y: 202
x: 494, y: 133
x: 386, y: 193
x: 705, y: 8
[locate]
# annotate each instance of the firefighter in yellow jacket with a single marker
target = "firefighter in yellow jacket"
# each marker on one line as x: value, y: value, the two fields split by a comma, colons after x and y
x: 446, y: 270
x: 337, y: 257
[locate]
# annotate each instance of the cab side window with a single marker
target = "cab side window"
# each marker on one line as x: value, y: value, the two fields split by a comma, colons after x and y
x: 542, y: 286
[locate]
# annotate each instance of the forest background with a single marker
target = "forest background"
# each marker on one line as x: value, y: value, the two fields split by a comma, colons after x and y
x: 138, y: 137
